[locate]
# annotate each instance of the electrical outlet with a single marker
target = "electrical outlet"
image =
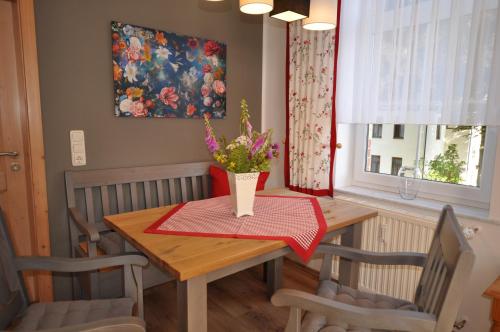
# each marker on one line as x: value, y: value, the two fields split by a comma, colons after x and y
x: 77, y: 142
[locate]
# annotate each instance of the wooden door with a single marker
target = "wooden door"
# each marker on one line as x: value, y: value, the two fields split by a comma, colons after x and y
x: 22, y: 168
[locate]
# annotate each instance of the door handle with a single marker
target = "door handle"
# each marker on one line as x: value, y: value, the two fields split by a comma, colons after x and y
x: 9, y: 154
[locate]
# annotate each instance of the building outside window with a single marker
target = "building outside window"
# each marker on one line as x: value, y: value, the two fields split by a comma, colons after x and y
x: 396, y: 165
x: 399, y: 131
x: 377, y: 131
x: 375, y: 164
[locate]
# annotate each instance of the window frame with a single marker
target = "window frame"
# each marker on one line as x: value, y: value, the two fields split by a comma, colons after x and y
x: 453, y: 193
x: 401, y: 131
x: 393, y: 159
x: 380, y: 130
x: 371, y: 163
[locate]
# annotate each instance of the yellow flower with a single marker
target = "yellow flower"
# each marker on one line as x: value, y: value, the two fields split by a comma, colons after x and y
x: 232, y: 164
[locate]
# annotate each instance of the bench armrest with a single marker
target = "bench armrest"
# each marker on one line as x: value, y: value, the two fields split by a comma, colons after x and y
x: 90, y: 230
x: 384, y: 319
x: 63, y: 264
x: 393, y: 258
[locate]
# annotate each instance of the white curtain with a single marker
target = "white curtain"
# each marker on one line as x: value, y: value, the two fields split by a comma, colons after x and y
x: 419, y: 62
x: 311, y: 59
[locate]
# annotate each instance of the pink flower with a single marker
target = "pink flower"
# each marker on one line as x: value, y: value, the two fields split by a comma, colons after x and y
x: 169, y: 97
x: 259, y: 142
x: 219, y: 87
x: 211, y: 48
x: 217, y: 103
x: 138, y: 109
x: 193, y: 42
x: 207, y: 68
x: 205, y: 90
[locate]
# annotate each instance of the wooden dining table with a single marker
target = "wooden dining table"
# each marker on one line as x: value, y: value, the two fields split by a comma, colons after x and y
x: 196, y: 261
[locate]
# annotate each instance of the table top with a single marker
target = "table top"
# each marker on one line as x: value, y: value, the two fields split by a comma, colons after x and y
x: 186, y: 257
x: 494, y: 289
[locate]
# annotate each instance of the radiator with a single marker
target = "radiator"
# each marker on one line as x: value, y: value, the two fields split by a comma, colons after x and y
x: 390, y: 232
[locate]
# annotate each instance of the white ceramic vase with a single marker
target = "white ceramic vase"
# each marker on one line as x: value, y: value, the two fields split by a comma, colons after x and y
x: 242, y: 187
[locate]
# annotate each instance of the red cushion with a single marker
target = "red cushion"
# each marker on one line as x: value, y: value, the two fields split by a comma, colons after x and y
x: 220, y: 183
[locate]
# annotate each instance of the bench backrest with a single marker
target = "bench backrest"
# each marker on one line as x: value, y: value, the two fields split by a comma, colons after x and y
x: 446, y: 272
x: 97, y: 193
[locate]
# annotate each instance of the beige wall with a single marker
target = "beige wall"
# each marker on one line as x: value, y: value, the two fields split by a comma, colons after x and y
x: 273, y: 91
x: 74, y: 45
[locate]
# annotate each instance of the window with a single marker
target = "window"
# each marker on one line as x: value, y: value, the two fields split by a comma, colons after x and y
x: 438, y: 132
x: 458, y: 168
x: 377, y: 131
x: 399, y: 131
x: 396, y: 165
x: 375, y: 164
x: 456, y: 158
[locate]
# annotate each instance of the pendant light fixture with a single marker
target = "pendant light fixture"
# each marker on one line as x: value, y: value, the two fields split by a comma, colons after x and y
x: 256, y: 7
x: 322, y: 15
x: 290, y: 10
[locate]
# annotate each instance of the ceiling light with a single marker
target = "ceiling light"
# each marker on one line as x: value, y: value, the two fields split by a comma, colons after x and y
x: 256, y: 7
x: 290, y: 10
x: 322, y: 15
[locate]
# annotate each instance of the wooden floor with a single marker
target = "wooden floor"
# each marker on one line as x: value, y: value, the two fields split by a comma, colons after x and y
x: 236, y: 303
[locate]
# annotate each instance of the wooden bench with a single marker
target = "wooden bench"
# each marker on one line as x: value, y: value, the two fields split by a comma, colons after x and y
x: 92, y: 194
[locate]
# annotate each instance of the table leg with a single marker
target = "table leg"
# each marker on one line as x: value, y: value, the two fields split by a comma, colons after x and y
x: 349, y: 270
x: 274, y: 275
x: 192, y: 304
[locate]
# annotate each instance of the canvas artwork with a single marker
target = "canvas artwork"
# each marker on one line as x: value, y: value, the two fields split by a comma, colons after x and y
x: 165, y: 75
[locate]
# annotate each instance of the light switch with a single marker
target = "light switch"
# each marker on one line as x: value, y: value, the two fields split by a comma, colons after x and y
x: 77, y: 140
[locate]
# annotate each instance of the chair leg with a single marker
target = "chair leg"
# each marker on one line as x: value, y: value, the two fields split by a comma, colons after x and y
x: 294, y: 320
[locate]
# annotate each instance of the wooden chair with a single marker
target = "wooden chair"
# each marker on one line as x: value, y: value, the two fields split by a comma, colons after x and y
x: 92, y: 194
x: 96, y: 315
x: 446, y: 270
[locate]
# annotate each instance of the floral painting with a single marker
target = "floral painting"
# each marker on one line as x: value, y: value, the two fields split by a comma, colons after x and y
x: 157, y: 74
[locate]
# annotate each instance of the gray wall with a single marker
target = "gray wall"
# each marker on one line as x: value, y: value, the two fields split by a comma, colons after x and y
x: 74, y: 46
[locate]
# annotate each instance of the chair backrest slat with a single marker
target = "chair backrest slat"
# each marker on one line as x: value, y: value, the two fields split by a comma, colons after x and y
x: 119, y: 198
x: 184, y: 198
x: 161, y: 193
x: 194, y: 184
x: 147, y: 194
x: 204, y: 182
x: 171, y: 191
x: 105, y: 200
x: 446, y: 272
x: 133, y: 196
x: 89, y: 203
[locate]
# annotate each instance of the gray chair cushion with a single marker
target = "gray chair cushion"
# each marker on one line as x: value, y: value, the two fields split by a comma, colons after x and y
x: 314, y: 322
x: 40, y: 316
x: 111, y: 243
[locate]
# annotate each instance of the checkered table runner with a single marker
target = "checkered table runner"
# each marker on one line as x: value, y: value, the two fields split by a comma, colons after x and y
x: 298, y: 221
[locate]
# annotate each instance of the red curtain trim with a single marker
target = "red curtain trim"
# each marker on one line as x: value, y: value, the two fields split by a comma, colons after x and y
x: 333, y: 138
x: 314, y: 192
x: 287, y: 108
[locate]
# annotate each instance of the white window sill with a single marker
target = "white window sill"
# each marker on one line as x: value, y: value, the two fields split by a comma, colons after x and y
x: 393, y: 202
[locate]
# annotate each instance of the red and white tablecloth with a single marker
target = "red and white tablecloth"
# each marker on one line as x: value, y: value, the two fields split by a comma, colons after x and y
x: 298, y: 221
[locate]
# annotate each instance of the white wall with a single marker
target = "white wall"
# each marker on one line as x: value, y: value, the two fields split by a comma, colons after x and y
x: 273, y: 91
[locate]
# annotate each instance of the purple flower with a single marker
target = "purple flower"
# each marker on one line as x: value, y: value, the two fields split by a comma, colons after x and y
x: 211, y: 141
x: 269, y: 154
x: 259, y: 142
x: 275, y: 147
x: 249, y: 129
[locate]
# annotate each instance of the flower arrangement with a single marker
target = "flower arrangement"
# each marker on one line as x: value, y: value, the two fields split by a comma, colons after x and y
x: 250, y: 152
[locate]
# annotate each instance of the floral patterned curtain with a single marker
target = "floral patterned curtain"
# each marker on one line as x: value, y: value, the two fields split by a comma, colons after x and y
x: 310, y: 117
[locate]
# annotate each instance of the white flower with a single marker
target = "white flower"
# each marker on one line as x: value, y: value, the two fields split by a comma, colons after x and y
x: 128, y: 30
x: 126, y: 106
x: 207, y: 101
x: 131, y: 72
x: 243, y: 140
x: 135, y: 43
x: 175, y: 66
x: 208, y: 78
x: 187, y: 80
x: 214, y: 60
x: 163, y: 53
x: 190, y: 56
x: 231, y: 146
